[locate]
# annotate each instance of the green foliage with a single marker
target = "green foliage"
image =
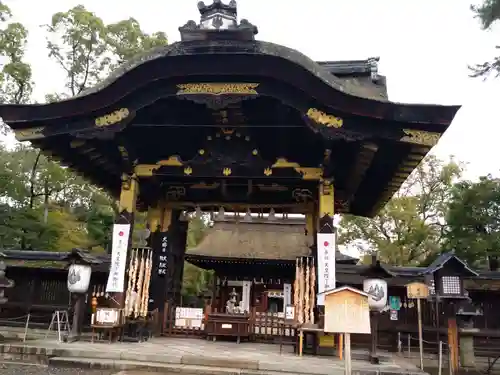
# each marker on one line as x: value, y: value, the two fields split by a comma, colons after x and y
x: 196, y: 280
x: 488, y: 13
x: 88, y: 50
x: 473, y: 220
x: 15, y: 73
x: 411, y: 227
x: 43, y: 205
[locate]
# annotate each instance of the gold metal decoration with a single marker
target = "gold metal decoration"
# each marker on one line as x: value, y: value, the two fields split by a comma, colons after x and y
x: 310, y: 173
x: 217, y: 88
x: 420, y: 137
x: 268, y: 172
x: 226, y: 171
x: 227, y: 131
x: 322, y: 118
x: 284, y: 163
x: 188, y: 171
x: 326, y: 199
x: 146, y: 170
x: 129, y: 192
x: 112, y: 118
x: 29, y: 134
x: 172, y: 161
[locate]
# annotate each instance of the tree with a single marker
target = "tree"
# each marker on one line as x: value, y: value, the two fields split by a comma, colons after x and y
x: 87, y: 49
x: 15, y: 74
x: 473, y: 220
x: 411, y: 227
x: 195, y: 280
x: 488, y: 13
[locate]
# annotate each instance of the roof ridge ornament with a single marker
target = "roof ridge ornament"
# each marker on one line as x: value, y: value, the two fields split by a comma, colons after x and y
x: 218, y: 21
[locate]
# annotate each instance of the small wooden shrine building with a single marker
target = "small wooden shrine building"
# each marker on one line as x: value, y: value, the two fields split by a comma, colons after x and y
x: 259, y: 250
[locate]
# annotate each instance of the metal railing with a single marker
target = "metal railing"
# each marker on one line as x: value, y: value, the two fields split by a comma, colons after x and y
x: 442, y: 349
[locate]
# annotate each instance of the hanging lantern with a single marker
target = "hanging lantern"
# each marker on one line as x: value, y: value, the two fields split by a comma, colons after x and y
x: 377, y: 293
x: 79, y: 278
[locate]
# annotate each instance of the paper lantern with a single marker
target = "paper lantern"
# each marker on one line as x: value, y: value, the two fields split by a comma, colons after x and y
x: 377, y: 293
x: 79, y: 278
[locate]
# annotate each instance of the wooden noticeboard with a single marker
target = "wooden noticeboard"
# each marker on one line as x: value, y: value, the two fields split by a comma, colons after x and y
x: 347, y: 311
x: 417, y: 290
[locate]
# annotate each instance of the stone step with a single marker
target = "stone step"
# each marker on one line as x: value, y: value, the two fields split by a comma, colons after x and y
x: 125, y: 365
x: 184, y: 369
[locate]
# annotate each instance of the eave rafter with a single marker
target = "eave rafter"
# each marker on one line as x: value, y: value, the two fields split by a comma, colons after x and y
x: 363, y: 161
x: 421, y: 142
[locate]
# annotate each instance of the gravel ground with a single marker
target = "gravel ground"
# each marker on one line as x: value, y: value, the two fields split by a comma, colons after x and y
x: 15, y: 369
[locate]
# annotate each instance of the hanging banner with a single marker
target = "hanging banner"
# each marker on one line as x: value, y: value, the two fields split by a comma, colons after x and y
x: 326, y: 265
x: 245, y: 295
x: 287, y: 290
x: 116, y: 278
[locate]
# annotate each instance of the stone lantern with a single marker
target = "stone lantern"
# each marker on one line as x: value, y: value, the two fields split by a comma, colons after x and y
x: 445, y: 277
x: 375, y: 285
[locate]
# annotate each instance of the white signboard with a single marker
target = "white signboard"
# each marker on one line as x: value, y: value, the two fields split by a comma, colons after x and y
x: 106, y: 316
x: 116, y: 278
x: 326, y: 264
x: 188, y: 317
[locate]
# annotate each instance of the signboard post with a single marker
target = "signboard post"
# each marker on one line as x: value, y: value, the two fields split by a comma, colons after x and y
x: 418, y: 291
x: 347, y: 311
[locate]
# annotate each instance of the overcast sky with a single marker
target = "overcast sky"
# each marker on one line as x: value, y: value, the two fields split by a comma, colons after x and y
x: 425, y: 47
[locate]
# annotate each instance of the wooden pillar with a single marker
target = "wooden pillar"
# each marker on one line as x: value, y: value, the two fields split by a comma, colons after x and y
x: 324, y: 225
x: 154, y: 218
x: 453, y: 344
x: 177, y: 236
x: 127, y: 208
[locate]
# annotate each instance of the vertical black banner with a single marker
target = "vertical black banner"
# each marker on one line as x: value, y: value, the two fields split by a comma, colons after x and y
x: 158, y: 284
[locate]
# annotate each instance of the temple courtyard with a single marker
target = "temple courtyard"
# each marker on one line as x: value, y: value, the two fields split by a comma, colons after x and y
x: 188, y: 356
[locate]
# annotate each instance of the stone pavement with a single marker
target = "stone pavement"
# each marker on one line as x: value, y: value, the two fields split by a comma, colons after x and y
x: 194, y: 356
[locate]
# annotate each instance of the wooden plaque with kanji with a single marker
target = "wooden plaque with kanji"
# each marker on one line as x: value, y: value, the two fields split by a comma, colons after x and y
x: 347, y: 311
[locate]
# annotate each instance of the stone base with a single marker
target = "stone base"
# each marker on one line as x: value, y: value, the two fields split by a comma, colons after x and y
x: 193, y: 356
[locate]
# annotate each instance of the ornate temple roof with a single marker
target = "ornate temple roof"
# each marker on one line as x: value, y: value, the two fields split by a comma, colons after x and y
x: 166, y: 112
x: 258, y: 239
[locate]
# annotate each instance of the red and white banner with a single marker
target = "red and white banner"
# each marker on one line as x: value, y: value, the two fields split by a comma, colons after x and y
x: 326, y: 265
x: 116, y: 278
